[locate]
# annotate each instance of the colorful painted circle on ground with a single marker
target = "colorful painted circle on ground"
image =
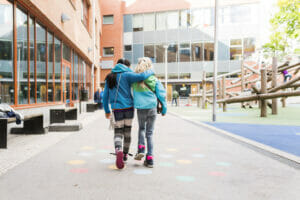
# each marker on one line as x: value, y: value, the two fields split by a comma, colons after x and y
x: 172, y: 150
x: 198, y: 155
x: 79, y: 171
x: 87, y: 148
x: 166, y: 156
x: 114, y: 167
x: 185, y: 178
x: 185, y: 162
x: 85, y: 154
x: 220, y: 174
x: 166, y: 164
x: 223, y: 164
x: 107, y: 161
x: 142, y: 171
x: 76, y: 162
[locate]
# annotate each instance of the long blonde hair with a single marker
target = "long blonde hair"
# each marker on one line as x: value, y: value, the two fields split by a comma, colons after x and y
x: 144, y: 64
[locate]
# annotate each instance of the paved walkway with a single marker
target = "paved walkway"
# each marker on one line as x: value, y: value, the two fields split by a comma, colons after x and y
x: 191, y: 162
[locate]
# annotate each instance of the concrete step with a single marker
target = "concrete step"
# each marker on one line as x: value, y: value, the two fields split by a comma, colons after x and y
x: 66, y: 127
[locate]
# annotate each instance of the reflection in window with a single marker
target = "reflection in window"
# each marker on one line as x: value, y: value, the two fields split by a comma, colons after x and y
x: 32, y: 58
x: 66, y: 52
x: 173, y: 53
x: 85, y: 13
x: 240, y: 13
x: 160, y: 53
x: 249, y: 46
x: 236, y: 42
x: 185, y: 52
x: 173, y: 20
x: 22, y: 56
x: 235, y: 53
x: 137, y: 22
x: 57, y: 47
x: 50, y: 68
x: 41, y: 63
x: 108, y: 19
x: 6, y: 53
x: 184, y: 18
x: 161, y: 20
x: 75, y: 77
x: 197, y: 52
x: 149, y: 22
x: 208, y: 51
x: 149, y: 52
x: 128, y: 48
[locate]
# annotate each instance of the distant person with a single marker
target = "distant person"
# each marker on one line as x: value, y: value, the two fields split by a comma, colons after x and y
x: 117, y: 93
x: 145, y: 95
x: 286, y: 75
x: 101, y: 96
x: 175, y: 97
x: 98, y: 99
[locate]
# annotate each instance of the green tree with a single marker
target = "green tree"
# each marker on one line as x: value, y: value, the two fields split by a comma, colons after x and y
x: 285, y: 27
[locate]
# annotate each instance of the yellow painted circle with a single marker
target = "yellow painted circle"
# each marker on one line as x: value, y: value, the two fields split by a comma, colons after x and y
x: 76, y: 162
x: 186, y: 162
x: 171, y: 149
x: 87, y: 148
x: 114, y: 167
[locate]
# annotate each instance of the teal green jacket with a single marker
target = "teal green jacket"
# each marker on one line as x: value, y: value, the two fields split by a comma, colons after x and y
x: 144, y: 98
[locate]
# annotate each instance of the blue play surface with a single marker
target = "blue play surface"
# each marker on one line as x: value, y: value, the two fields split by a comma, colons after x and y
x: 284, y: 138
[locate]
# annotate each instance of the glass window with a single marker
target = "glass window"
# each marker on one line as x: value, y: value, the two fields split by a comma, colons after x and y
x: 149, y: 52
x: 66, y: 52
x: 173, y: 53
x: 160, y: 53
x: 128, y: 48
x: 41, y: 63
x: 197, y: 52
x: 249, y: 46
x: 240, y: 14
x: 85, y: 13
x: 209, y: 51
x: 32, y: 58
x: 197, y: 18
x: 137, y: 22
x: 50, y: 68
x: 108, y: 51
x: 184, y: 18
x: 149, y: 22
x: 235, y: 53
x: 185, y: 52
x: 108, y: 19
x: 235, y: 42
x: 224, y: 17
x: 6, y: 53
x: 161, y: 21
x: 173, y: 20
x: 57, y: 47
x: 22, y: 55
x: 75, y: 78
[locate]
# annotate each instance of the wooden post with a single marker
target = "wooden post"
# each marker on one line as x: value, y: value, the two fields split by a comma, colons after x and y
x: 242, y: 76
x: 220, y: 92
x: 274, y: 84
x: 204, y: 90
x: 224, y: 93
x: 263, y: 109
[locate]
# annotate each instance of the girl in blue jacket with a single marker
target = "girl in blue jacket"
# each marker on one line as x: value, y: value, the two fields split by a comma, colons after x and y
x: 117, y: 93
x: 145, y: 101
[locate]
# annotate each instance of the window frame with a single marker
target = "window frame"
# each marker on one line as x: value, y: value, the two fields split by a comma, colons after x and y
x: 108, y: 55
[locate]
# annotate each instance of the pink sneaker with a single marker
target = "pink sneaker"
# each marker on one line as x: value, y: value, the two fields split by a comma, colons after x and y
x: 119, y: 159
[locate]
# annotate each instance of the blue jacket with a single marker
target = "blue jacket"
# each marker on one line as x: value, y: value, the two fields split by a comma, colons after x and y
x: 144, y: 98
x: 124, y: 98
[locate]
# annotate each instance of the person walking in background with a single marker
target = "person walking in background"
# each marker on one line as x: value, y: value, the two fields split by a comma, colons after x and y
x: 117, y: 93
x: 145, y: 95
x: 175, y: 97
x: 97, y: 98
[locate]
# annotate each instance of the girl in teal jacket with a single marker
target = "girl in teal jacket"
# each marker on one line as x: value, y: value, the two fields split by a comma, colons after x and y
x: 145, y: 101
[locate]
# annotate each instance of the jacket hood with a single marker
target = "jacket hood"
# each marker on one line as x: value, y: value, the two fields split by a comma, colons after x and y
x: 119, y: 68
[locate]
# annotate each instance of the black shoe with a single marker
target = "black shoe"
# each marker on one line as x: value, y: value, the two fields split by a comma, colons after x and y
x: 125, y: 157
x: 149, y: 161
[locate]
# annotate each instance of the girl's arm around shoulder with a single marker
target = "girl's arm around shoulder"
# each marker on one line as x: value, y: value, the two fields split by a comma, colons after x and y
x: 161, y: 95
x: 135, y: 77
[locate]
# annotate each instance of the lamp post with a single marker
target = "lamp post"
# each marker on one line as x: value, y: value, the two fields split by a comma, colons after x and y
x: 215, y: 62
x: 166, y: 70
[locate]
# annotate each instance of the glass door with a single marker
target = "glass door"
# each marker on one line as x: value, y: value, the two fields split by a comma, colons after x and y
x: 66, y: 87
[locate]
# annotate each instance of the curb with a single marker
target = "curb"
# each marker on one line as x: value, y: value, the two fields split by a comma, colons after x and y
x: 281, y: 155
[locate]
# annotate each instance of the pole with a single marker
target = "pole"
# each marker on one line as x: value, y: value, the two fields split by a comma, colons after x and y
x: 166, y: 70
x: 274, y: 84
x: 215, y: 62
x: 263, y: 109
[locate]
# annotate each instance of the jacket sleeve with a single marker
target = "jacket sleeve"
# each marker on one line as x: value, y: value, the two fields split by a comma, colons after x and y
x: 106, y: 99
x: 161, y: 95
x: 135, y: 77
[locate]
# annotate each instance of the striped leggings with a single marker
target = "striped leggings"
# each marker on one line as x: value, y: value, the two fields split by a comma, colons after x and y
x: 123, y: 129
